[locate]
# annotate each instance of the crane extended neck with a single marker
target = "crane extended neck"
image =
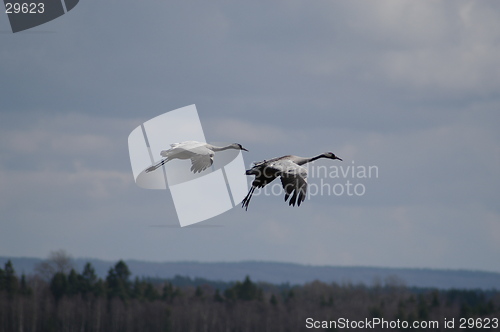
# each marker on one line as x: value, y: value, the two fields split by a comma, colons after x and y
x: 220, y: 148
x: 302, y: 161
x: 317, y: 157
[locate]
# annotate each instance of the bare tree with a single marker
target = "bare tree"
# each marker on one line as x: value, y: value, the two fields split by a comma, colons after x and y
x: 58, y: 261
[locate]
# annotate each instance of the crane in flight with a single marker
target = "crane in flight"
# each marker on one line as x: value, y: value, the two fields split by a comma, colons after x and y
x: 289, y: 169
x: 201, y: 154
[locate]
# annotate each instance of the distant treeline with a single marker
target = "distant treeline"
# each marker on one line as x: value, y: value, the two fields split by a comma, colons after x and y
x: 58, y: 298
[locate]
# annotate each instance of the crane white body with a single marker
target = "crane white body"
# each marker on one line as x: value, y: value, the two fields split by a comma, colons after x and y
x: 201, y: 154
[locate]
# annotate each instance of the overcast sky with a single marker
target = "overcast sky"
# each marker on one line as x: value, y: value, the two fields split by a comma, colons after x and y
x: 411, y: 87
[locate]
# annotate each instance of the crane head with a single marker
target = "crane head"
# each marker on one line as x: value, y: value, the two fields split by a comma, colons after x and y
x: 331, y: 155
x: 239, y: 147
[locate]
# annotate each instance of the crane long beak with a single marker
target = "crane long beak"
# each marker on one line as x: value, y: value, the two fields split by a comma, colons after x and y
x: 338, y: 158
x: 244, y: 149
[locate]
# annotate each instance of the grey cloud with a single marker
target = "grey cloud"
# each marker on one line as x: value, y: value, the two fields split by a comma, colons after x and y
x: 411, y: 87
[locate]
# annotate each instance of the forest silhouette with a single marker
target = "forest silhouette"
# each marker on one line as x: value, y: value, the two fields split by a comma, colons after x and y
x: 58, y: 298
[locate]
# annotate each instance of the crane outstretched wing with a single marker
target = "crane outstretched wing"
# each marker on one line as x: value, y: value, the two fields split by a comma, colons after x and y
x: 294, y: 182
x: 293, y: 179
x: 199, y: 163
x: 201, y: 156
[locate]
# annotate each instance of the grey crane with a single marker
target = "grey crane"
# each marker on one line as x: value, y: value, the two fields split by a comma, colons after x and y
x: 201, y: 154
x: 293, y: 176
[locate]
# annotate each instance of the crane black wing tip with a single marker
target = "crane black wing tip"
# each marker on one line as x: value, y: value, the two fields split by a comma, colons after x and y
x: 302, y: 198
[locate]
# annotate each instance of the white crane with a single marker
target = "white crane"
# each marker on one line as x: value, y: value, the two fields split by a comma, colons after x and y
x: 201, y: 154
x: 288, y: 168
